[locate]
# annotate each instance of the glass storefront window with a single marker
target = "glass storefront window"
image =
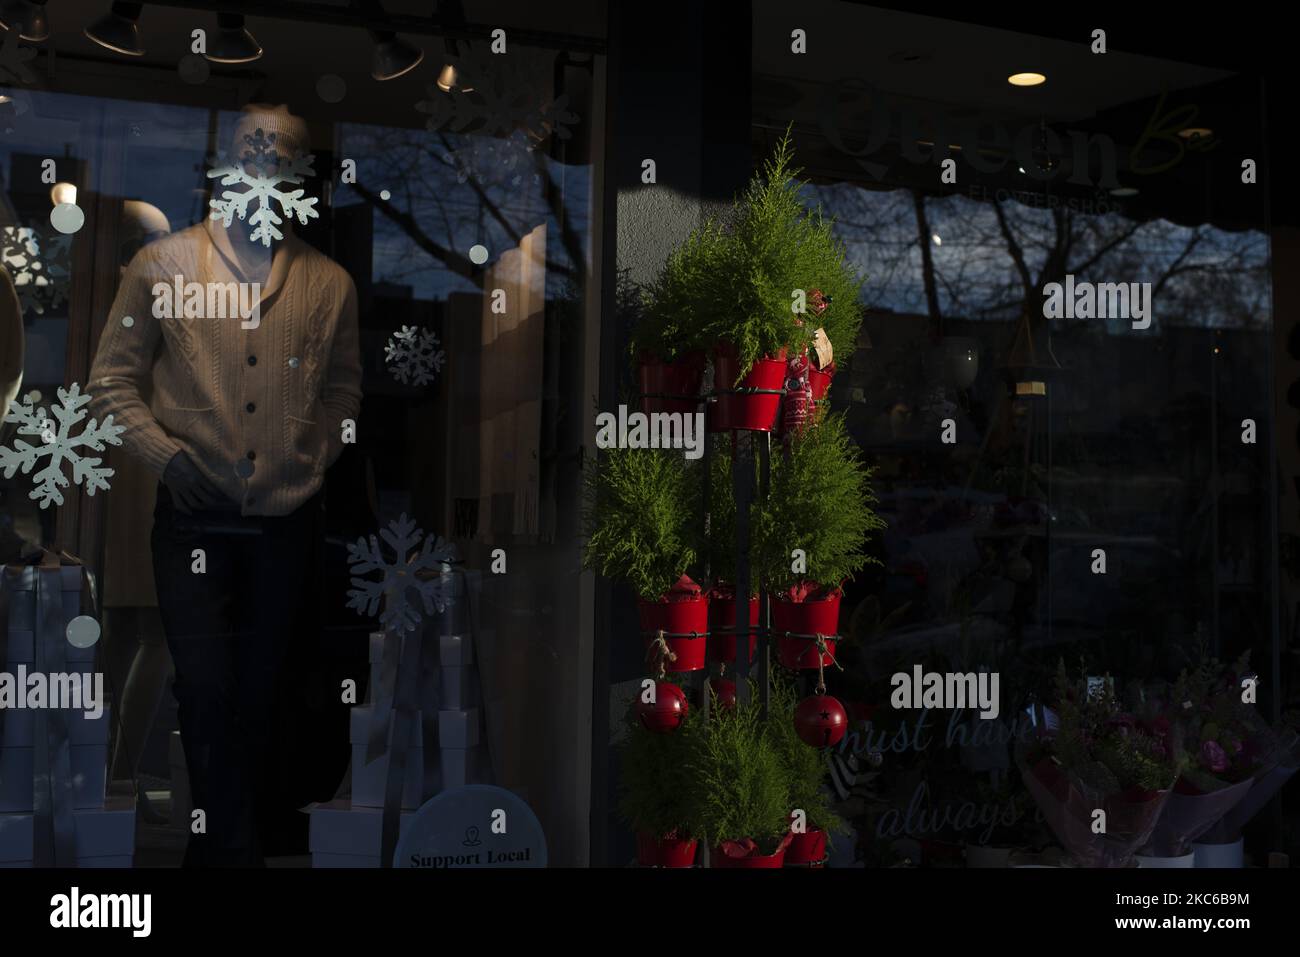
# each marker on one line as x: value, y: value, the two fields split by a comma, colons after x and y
x: 1067, y: 324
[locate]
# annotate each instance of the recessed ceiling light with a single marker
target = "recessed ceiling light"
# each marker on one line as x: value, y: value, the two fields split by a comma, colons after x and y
x: 1124, y: 191
x: 937, y: 240
x: 1026, y: 79
x: 1195, y: 132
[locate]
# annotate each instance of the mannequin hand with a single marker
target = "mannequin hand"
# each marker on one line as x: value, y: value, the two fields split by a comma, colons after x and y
x: 190, y: 488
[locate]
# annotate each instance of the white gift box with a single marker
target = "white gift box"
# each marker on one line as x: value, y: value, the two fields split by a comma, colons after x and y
x: 22, y: 615
x: 89, y: 766
x: 455, y: 651
x: 105, y: 837
x: 457, y: 766
x: 369, y: 781
x: 458, y: 729
x: 20, y: 727
x: 348, y: 836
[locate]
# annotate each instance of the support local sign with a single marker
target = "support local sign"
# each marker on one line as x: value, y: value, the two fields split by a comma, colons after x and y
x: 474, y: 826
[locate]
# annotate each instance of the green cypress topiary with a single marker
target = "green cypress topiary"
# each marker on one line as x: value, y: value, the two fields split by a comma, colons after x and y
x: 641, y: 517
x: 820, y: 501
x: 777, y: 245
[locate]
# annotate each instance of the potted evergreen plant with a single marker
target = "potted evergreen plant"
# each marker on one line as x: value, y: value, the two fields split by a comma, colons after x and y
x: 654, y: 788
x: 738, y: 790
x: 641, y: 517
x: 805, y: 772
x: 811, y: 536
x: 667, y: 342
x: 782, y: 276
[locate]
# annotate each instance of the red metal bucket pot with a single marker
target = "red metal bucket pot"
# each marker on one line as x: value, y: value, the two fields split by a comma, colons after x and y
x: 671, y: 386
x: 682, y: 618
x: 807, y: 850
x: 820, y: 381
x: 720, y: 860
x: 722, y: 643
x: 819, y: 617
x: 754, y: 412
x: 664, y: 852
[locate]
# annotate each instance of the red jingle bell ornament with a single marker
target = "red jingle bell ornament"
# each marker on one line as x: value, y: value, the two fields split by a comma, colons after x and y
x: 666, y: 712
x: 820, y: 721
x: 724, y: 689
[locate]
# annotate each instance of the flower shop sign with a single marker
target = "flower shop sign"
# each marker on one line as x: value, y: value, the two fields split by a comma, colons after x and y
x: 474, y: 826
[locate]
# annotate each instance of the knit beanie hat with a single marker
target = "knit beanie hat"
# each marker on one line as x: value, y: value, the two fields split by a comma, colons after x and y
x: 291, y: 138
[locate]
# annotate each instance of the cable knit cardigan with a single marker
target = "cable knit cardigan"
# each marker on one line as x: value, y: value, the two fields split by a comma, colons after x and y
x: 260, y: 410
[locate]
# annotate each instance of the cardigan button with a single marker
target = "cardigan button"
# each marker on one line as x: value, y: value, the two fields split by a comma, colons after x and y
x: 252, y: 360
x: 251, y: 407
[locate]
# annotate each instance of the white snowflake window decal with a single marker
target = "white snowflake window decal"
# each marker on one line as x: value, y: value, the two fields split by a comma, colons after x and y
x: 413, y: 355
x: 39, y: 264
x: 400, y: 575
x: 270, y: 171
x: 56, y: 440
x: 498, y: 95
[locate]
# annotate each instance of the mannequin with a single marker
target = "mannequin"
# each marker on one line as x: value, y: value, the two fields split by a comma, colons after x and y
x: 240, y: 425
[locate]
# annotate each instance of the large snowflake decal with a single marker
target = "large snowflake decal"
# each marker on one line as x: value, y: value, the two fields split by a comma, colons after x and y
x: 39, y: 265
x: 14, y: 59
x: 58, y: 443
x: 269, y: 171
x: 494, y: 162
x: 497, y: 95
x: 400, y: 575
x: 413, y: 355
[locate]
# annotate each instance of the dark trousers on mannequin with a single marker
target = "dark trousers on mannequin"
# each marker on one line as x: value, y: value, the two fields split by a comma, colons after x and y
x: 228, y: 629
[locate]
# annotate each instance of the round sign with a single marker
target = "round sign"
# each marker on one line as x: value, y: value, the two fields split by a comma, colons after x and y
x: 67, y: 217
x: 82, y: 631
x: 478, y: 825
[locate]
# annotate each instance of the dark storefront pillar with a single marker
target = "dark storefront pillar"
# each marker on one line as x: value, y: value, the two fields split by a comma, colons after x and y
x: 679, y: 81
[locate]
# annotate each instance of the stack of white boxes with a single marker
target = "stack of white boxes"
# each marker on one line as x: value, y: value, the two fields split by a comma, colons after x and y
x: 104, y: 828
x: 348, y: 833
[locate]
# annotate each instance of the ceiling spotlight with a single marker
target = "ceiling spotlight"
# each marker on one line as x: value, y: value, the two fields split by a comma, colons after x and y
x: 1026, y: 79
x: 27, y: 17
x: 938, y: 241
x: 393, y: 57
x: 233, y: 44
x: 119, y: 30
x: 449, y: 78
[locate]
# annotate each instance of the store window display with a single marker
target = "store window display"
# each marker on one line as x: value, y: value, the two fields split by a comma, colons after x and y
x: 266, y: 425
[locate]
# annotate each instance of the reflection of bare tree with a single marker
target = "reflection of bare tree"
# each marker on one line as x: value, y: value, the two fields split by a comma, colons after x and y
x: 444, y: 205
x: 996, y: 257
